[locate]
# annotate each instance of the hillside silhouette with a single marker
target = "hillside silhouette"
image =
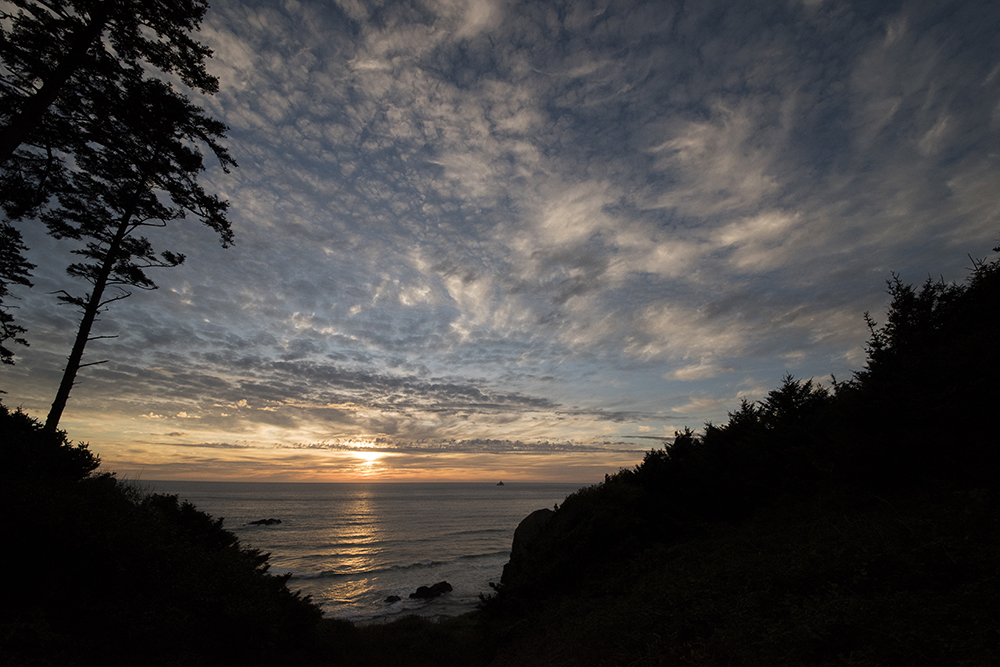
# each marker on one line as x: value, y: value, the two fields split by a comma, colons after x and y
x: 101, y: 573
x: 855, y: 524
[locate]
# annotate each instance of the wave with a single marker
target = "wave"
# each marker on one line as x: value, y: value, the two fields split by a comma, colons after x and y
x: 347, y: 573
x: 479, y: 531
x: 505, y: 553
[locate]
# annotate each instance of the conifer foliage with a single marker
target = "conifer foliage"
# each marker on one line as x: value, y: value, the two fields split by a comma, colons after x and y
x: 853, y: 524
x: 917, y: 416
x: 61, y: 56
x: 74, y: 73
x: 139, y: 171
x: 14, y: 268
x: 97, y: 143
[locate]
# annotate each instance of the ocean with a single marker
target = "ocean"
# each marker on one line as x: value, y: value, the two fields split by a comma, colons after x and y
x: 352, y: 545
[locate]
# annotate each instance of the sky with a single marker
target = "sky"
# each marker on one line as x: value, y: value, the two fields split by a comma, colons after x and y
x: 482, y: 240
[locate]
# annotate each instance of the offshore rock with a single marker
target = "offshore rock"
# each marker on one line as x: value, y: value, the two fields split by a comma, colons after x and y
x: 264, y: 522
x: 428, y: 592
x: 527, y: 532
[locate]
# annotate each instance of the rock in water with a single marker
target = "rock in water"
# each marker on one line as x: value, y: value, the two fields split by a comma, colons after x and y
x: 264, y: 522
x: 527, y: 532
x: 428, y: 592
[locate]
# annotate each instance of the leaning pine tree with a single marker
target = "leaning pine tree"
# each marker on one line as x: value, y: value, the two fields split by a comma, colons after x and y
x: 58, y: 61
x: 137, y: 170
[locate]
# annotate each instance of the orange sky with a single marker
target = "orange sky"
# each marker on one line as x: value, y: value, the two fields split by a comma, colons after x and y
x: 134, y: 454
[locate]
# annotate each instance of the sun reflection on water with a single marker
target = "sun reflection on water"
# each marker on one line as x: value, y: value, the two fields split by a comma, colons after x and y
x: 355, y: 538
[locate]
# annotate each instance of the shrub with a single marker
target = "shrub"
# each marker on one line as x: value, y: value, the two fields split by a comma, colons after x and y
x: 118, y: 576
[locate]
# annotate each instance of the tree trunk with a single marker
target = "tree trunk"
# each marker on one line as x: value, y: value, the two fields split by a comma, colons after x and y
x: 35, y: 106
x: 83, y: 333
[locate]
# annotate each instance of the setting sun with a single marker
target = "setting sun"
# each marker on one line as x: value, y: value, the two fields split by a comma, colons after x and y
x: 369, y: 456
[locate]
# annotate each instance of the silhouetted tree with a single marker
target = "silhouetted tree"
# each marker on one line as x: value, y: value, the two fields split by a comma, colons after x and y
x: 58, y: 54
x: 29, y: 454
x: 138, y: 170
x: 61, y: 60
x: 871, y: 507
x: 14, y: 268
x: 929, y: 373
x: 793, y: 402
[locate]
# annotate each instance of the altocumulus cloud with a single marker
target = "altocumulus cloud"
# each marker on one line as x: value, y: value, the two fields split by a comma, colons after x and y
x: 474, y: 222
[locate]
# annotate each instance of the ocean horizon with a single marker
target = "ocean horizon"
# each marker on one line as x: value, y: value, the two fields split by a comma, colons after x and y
x: 351, y: 546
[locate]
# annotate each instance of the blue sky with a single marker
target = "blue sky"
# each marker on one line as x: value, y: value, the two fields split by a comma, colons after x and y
x: 496, y: 239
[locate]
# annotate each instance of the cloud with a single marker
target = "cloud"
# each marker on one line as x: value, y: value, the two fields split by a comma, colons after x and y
x: 460, y: 221
x: 700, y: 371
x: 722, y: 165
x: 761, y: 243
x: 388, y: 446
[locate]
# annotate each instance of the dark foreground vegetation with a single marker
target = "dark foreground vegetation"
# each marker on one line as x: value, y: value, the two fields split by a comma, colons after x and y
x: 857, y: 525
x: 852, y: 525
x: 99, y: 573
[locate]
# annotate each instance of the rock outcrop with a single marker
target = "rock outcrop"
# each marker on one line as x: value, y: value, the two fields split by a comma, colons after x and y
x: 527, y: 532
x: 428, y: 592
x: 264, y: 522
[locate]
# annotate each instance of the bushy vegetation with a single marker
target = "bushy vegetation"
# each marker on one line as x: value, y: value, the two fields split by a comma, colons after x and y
x: 100, y: 572
x: 850, y: 524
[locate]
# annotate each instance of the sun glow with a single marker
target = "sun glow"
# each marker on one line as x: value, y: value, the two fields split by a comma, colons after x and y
x: 369, y: 457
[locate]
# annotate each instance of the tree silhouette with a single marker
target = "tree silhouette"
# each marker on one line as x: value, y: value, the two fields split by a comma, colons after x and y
x: 929, y: 373
x: 61, y: 60
x: 137, y: 170
x: 13, y: 269
x: 57, y: 58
